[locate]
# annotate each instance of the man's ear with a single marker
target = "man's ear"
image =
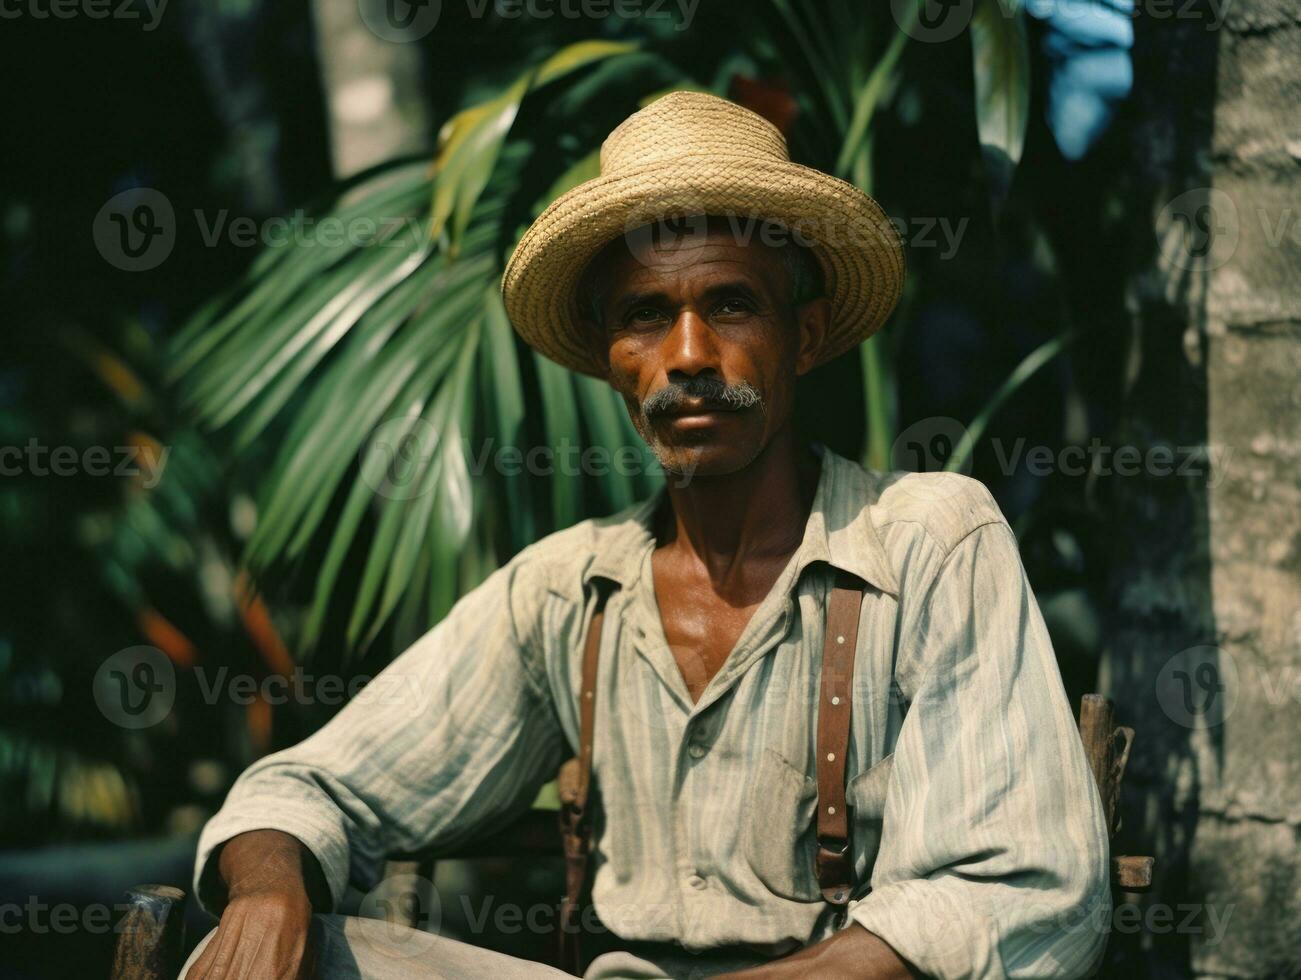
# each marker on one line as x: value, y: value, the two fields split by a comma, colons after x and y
x: 812, y: 318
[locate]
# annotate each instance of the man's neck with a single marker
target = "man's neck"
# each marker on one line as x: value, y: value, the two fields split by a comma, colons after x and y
x: 758, y: 512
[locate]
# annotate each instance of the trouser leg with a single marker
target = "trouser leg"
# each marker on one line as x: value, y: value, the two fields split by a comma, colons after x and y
x: 350, y: 948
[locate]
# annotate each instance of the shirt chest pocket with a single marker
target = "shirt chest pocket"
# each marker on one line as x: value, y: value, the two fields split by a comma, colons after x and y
x: 778, y: 839
x: 866, y: 794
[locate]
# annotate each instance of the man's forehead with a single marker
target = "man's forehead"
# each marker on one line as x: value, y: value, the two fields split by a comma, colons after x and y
x: 716, y: 246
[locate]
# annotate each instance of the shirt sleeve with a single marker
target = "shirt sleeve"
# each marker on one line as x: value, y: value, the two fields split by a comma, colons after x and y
x: 994, y: 855
x: 455, y: 737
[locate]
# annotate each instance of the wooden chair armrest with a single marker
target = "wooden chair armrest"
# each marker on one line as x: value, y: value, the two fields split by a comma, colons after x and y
x: 150, y: 934
x: 1130, y: 873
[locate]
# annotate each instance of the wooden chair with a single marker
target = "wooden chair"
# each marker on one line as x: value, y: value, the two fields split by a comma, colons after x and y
x: 150, y: 940
x: 1107, y: 747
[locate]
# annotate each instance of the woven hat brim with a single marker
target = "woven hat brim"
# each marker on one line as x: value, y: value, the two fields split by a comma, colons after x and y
x: 860, y: 252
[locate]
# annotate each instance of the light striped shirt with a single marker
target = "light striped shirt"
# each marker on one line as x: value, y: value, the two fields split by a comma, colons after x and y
x: 977, y: 833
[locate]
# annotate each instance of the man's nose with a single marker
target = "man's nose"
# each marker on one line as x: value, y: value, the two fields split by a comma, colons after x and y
x: 691, y: 347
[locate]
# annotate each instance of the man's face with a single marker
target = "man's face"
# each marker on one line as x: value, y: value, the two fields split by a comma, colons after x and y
x: 704, y: 344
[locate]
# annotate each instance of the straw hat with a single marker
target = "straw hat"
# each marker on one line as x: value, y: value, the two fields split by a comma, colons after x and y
x: 690, y: 154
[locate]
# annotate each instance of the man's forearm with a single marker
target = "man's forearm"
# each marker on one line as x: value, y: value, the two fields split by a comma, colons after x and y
x: 271, y: 860
x: 852, y: 954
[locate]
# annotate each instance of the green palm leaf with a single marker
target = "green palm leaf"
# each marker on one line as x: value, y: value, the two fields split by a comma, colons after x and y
x: 1001, y: 61
x: 346, y: 350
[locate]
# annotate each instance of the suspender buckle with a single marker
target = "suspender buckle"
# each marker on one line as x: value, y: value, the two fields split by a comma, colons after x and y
x: 833, y: 869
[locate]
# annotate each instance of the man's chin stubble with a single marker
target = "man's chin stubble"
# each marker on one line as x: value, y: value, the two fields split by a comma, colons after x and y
x: 680, y: 463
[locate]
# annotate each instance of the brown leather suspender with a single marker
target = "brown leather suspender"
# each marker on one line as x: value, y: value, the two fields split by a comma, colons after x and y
x: 573, y: 785
x: 834, y: 862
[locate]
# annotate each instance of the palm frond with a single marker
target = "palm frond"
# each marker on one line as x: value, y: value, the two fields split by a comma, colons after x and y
x: 387, y: 367
x: 1001, y: 62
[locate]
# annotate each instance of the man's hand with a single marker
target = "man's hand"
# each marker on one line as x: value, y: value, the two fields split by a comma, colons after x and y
x: 264, y: 929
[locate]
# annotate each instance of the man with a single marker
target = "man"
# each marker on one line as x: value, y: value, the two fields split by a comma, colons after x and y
x: 973, y: 842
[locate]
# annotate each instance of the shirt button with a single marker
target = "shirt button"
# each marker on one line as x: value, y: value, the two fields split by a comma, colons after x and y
x: 696, y: 750
x: 696, y: 882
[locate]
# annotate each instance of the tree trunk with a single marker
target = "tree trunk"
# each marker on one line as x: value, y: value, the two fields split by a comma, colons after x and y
x: 1206, y: 588
x: 372, y: 73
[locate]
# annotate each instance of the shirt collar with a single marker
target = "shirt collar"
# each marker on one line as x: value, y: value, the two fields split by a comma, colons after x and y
x: 839, y: 531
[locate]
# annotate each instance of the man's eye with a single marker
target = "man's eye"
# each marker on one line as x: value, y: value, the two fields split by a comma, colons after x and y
x: 642, y: 316
x: 734, y: 307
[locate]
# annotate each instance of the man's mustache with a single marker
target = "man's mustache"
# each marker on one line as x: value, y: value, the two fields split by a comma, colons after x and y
x: 713, y: 393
